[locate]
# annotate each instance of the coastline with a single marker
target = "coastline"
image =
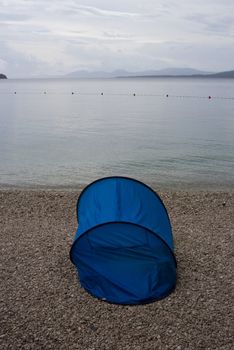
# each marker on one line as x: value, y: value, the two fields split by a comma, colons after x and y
x: 157, y: 186
x: 44, y: 307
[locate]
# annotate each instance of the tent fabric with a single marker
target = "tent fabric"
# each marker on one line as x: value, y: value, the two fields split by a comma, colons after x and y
x: 123, y: 248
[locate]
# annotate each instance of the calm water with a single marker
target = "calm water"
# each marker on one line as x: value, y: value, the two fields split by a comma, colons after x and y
x: 62, y: 139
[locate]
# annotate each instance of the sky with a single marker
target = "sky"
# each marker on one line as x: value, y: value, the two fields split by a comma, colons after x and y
x: 56, y: 37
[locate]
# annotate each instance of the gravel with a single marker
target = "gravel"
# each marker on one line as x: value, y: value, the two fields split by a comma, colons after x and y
x: 42, y: 305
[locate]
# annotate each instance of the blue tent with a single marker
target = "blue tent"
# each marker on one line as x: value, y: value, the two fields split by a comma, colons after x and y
x: 123, y: 247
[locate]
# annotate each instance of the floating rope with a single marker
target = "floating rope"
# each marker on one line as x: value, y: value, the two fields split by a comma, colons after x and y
x: 134, y: 94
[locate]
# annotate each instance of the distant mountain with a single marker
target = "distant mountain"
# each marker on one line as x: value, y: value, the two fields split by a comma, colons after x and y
x: 168, y: 72
x: 3, y: 76
x: 83, y: 74
x: 224, y: 75
x: 177, y: 72
x: 229, y: 74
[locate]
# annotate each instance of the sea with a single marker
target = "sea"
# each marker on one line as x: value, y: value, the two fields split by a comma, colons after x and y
x: 175, y: 133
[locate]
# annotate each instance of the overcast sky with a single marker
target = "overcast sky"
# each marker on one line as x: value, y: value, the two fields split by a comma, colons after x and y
x: 40, y: 37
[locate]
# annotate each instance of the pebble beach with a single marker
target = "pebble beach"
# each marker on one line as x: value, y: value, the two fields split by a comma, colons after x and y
x: 42, y: 305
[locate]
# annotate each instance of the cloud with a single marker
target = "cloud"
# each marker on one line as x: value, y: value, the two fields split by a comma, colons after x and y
x: 12, y: 17
x: 100, y: 12
x: 60, y: 36
x: 215, y: 25
x: 3, y: 65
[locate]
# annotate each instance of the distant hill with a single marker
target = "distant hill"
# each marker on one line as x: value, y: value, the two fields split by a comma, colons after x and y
x: 169, y: 72
x: 177, y: 72
x: 83, y: 74
x: 193, y: 74
x: 228, y: 74
x: 223, y: 75
x: 3, y: 76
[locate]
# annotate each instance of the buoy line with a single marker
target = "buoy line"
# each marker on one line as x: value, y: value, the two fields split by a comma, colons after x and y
x: 134, y: 94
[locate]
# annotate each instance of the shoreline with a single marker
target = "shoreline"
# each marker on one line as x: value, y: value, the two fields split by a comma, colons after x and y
x: 44, y: 307
x: 156, y: 186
